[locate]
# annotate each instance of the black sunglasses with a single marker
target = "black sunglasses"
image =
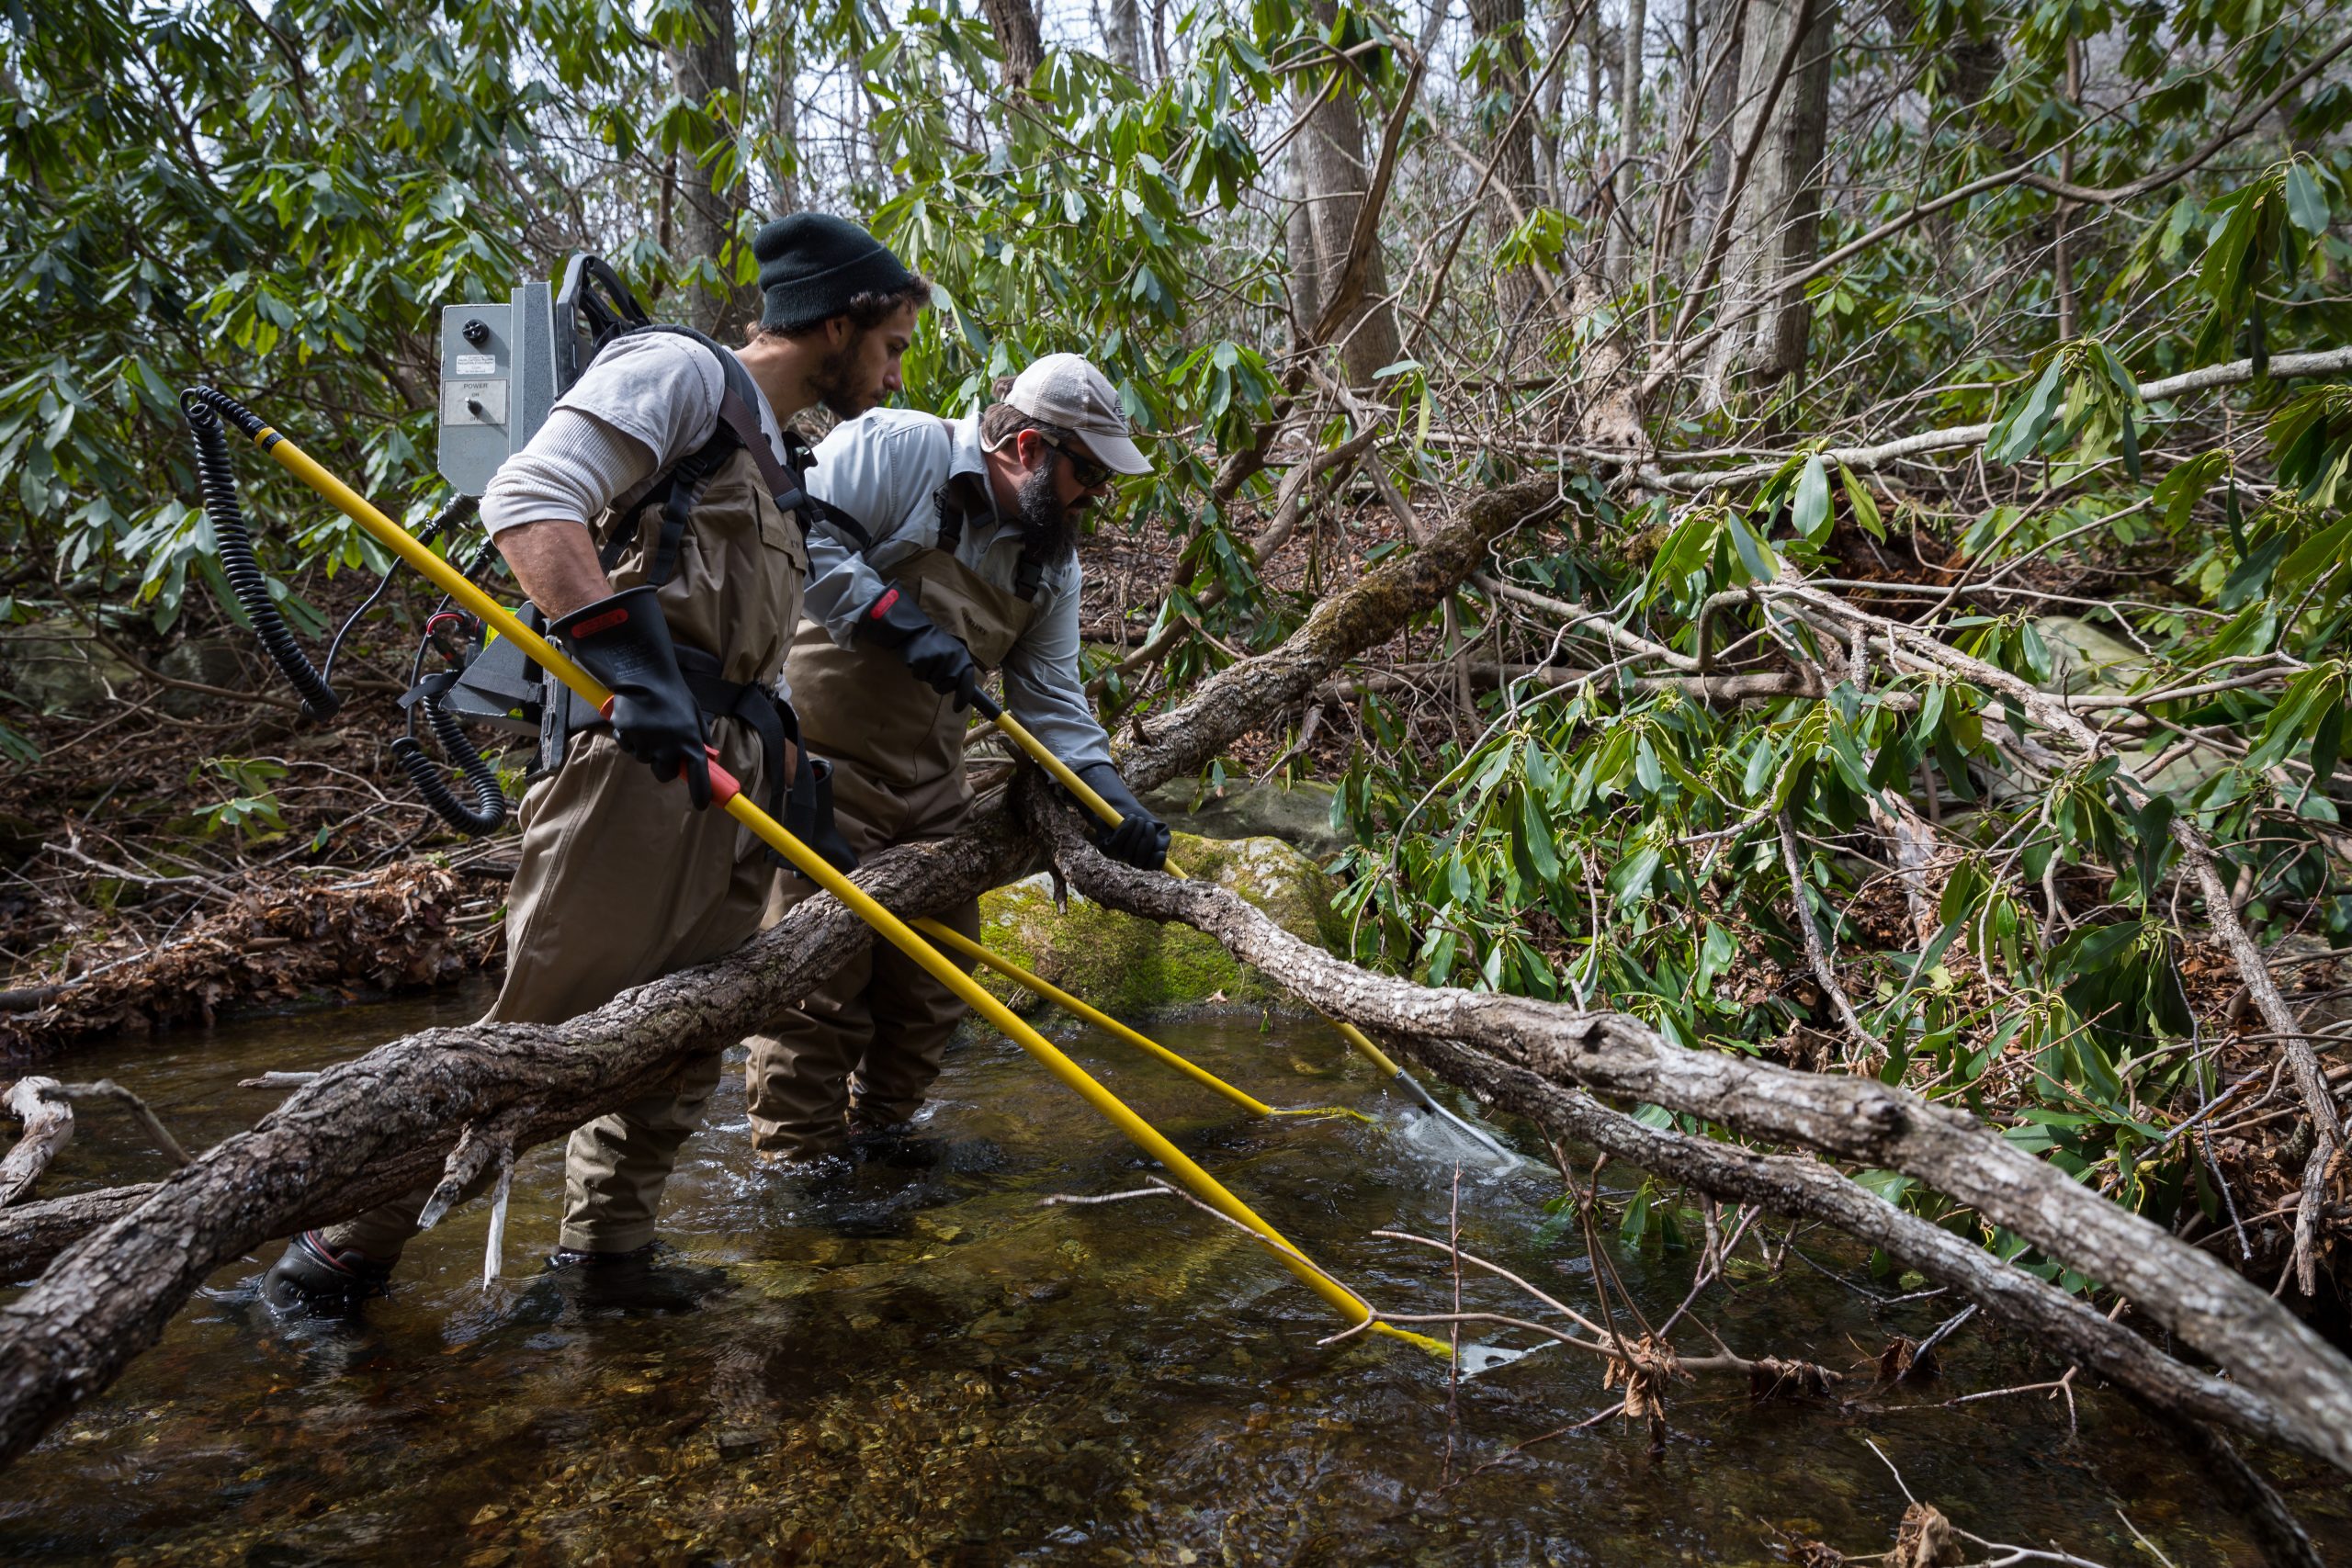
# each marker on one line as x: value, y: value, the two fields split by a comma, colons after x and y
x: 1089, y: 474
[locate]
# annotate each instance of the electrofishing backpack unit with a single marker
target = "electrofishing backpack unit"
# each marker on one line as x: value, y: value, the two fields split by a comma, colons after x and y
x: 503, y: 368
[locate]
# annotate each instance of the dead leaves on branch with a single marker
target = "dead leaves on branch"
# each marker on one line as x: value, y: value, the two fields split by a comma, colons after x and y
x: 1643, y: 1367
x: 391, y: 931
x: 1906, y: 1358
x: 1925, y: 1540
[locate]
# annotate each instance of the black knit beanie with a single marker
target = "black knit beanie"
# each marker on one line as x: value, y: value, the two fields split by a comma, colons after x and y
x: 812, y: 264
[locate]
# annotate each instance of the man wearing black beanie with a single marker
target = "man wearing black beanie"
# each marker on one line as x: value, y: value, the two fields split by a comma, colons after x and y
x: 622, y: 875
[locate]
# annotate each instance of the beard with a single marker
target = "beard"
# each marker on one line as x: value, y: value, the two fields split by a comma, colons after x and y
x: 1048, y: 528
x: 831, y: 380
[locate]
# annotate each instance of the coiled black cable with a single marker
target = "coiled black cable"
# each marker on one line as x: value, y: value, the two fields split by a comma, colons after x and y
x: 206, y: 409
x: 489, y: 810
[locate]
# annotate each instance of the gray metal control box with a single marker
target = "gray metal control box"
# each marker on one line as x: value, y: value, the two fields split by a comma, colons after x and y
x: 497, y: 382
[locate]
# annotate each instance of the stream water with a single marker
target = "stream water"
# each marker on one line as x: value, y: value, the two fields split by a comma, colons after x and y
x: 919, y: 1362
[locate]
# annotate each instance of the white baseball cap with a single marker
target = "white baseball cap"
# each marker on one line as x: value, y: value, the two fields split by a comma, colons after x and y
x: 1065, y: 390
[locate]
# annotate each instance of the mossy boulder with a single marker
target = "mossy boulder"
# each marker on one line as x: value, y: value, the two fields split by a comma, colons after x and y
x: 1298, y: 814
x: 1130, y: 967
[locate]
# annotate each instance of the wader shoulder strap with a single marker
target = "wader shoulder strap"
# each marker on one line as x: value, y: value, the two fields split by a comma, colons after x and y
x: 738, y: 428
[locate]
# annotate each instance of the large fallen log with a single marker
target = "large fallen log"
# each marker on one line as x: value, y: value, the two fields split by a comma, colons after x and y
x: 2305, y: 1383
x: 369, y: 1129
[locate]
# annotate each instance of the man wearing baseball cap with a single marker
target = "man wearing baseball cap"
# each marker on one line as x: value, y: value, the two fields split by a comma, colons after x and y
x: 973, y: 569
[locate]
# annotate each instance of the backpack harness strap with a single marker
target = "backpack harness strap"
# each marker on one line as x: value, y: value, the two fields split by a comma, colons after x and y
x: 1028, y: 574
x: 677, y: 490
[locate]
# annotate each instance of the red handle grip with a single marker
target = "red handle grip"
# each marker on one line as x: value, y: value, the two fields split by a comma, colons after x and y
x: 724, y: 786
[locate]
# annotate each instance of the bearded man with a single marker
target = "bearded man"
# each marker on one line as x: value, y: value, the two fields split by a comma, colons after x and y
x: 973, y: 568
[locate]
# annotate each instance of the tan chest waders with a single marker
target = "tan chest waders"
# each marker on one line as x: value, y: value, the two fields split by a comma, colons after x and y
x: 860, y: 1052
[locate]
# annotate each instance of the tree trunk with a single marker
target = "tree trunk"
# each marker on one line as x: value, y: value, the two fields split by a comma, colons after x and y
x: 1502, y: 25
x: 1779, y: 220
x: 1014, y: 22
x: 785, y: 169
x: 1329, y: 176
x: 1122, y: 37
x: 705, y: 73
x: 1550, y: 141
x: 1721, y: 23
x: 1620, y: 248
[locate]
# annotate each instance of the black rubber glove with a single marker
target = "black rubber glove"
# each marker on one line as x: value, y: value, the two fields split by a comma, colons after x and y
x: 1140, y: 839
x: 809, y: 815
x: 625, y: 643
x: 939, y: 661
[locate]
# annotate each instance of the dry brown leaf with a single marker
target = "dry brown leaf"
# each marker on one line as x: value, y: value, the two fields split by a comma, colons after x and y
x: 1925, y: 1540
x: 1904, y: 1358
x: 1642, y: 1367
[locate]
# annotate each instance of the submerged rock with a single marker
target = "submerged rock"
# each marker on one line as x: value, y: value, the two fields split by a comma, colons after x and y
x: 1129, y: 967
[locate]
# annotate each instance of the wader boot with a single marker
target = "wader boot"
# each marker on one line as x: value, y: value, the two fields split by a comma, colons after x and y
x: 314, y: 1276
x: 858, y: 1055
x: 642, y: 1279
x: 619, y: 881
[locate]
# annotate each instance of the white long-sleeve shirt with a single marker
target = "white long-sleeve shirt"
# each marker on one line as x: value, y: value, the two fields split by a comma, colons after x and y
x: 885, y: 470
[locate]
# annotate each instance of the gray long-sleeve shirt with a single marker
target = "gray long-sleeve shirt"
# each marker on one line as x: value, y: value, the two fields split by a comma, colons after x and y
x: 885, y: 468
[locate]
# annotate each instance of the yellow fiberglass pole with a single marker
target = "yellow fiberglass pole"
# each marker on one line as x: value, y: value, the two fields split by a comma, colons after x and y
x: 949, y: 937
x: 1092, y: 800
x: 747, y: 812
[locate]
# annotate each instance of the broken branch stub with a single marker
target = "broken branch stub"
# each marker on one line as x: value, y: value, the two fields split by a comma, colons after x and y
x: 40, y: 1104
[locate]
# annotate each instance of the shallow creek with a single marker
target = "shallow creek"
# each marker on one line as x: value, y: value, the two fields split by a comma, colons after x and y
x: 918, y: 1362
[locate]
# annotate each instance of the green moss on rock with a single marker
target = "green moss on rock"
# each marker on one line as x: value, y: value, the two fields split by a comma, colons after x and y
x: 1130, y: 967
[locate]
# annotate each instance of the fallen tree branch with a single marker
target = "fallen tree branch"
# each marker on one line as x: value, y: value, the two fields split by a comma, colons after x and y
x: 32, y: 1233
x: 2307, y: 1384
